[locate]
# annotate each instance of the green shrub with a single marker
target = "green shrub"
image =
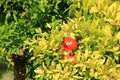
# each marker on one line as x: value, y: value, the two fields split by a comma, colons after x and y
x: 18, y: 20
x: 96, y: 27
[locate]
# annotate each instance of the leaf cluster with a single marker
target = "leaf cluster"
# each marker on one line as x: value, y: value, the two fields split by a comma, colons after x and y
x: 18, y: 20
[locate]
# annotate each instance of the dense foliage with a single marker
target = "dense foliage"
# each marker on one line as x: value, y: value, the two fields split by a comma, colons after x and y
x: 40, y: 27
x: 18, y: 20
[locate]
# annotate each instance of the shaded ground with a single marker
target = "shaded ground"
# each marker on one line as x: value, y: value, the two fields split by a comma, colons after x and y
x: 5, y: 73
x: 3, y: 68
x: 7, y: 76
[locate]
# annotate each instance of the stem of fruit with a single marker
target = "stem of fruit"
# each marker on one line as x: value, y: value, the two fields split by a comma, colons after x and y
x: 70, y: 52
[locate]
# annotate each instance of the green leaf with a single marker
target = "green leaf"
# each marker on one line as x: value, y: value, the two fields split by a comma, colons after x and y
x: 47, y: 62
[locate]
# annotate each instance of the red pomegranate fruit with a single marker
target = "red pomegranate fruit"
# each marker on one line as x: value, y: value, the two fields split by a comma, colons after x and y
x: 69, y: 44
x: 73, y: 57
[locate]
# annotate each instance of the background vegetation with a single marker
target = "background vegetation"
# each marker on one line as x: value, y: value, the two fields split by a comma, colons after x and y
x: 39, y: 27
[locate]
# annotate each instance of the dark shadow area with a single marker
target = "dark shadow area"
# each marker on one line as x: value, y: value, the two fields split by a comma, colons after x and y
x: 6, y: 73
x: 3, y: 68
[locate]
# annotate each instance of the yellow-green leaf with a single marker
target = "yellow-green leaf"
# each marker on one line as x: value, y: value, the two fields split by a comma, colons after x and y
x: 38, y: 30
x: 94, y: 10
x: 117, y: 37
x: 39, y: 71
x: 32, y: 58
x: 107, y: 31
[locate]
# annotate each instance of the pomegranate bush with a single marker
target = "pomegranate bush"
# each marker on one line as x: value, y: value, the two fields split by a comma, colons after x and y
x: 94, y: 52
